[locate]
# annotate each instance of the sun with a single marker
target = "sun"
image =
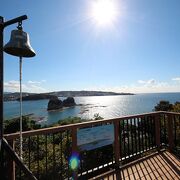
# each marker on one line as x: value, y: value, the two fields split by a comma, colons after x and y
x: 104, y: 12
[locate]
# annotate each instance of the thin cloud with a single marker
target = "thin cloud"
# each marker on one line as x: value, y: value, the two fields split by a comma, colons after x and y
x: 148, y: 86
x: 141, y: 82
x: 36, y: 82
x: 12, y: 86
x: 147, y: 82
x: 30, y: 86
x: 176, y: 79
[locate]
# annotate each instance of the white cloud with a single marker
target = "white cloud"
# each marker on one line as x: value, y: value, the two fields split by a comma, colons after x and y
x: 141, y: 82
x: 29, y: 86
x: 147, y: 82
x: 148, y: 86
x: 141, y: 86
x: 176, y: 79
x: 151, y: 81
x: 34, y: 82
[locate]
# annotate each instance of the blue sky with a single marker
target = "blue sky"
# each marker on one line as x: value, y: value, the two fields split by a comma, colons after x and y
x: 139, y: 52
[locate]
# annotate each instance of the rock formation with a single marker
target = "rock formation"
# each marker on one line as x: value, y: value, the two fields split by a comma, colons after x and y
x: 54, y: 104
x: 69, y: 102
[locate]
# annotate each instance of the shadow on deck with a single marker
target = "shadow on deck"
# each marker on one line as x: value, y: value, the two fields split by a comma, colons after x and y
x: 160, y: 165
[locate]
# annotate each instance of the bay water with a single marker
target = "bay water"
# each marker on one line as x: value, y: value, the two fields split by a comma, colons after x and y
x: 87, y: 107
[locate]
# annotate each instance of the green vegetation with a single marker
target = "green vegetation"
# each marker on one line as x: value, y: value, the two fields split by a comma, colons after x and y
x: 176, y: 107
x: 167, y: 106
x: 12, y: 125
x: 69, y: 120
x: 97, y: 117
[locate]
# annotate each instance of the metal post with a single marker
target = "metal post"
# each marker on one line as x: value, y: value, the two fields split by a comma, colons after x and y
x: 74, y: 149
x: 117, y: 148
x: 1, y: 78
x: 20, y: 80
x: 157, y: 131
x: 116, y: 143
x: 170, y: 132
x: 11, y: 163
x: 1, y: 93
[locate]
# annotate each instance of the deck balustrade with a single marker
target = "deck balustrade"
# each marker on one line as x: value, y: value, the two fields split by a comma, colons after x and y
x: 46, y: 152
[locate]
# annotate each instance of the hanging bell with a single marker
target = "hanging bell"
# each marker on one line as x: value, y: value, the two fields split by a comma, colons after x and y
x: 19, y: 44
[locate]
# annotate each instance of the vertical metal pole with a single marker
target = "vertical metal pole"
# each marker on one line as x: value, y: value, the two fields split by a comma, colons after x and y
x: 1, y: 78
x: 170, y: 132
x: 117, y: 147
x: 116, y: 143
x: 11, y: 163
x: 1, y: 93
x: 20, y: 80
x: 74, y: 150
x: 157, y: 130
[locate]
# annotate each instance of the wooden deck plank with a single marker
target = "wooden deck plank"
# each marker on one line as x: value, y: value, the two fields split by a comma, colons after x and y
x: 163, y: 165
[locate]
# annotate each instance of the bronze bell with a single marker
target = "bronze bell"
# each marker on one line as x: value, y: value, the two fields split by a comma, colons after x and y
x: 19, y: 44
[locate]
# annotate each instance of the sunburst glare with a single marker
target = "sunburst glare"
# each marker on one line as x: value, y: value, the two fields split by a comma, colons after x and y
x: 104, y: 12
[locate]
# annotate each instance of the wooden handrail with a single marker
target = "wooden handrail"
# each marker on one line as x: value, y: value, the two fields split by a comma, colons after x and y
x: 167, y: 112
x: 77, y: 125
x: 17, y: 160
x: 155, y: 116
x: 80, y: 125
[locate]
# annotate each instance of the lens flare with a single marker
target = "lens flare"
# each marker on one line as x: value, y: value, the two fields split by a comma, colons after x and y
x: 74, y: 161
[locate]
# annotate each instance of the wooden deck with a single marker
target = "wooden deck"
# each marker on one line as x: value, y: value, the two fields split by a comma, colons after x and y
x: 162, y: 165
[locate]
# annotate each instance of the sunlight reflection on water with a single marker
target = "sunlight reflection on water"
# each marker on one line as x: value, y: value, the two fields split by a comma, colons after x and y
x: 105, y: 106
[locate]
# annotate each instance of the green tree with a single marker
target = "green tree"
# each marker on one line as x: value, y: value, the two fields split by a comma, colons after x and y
x: 163, y: 106
x: 97, y: 117
x: 176, y: 107
x: 12, y: 125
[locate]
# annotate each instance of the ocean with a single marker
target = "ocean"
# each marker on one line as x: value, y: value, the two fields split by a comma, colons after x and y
x: 105, y: 106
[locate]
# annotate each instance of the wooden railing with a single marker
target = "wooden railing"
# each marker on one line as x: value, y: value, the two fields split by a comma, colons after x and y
x: 13, y: 158
x: 46, y: 152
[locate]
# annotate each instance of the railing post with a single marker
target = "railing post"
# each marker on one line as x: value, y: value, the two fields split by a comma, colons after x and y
x: 74, y: 149
x: 116, y: 143
x: 170, y: 132
x: 157, y: 130
x: 11, y: 164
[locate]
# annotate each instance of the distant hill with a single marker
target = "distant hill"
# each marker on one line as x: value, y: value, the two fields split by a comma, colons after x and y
x: 8, y: 96
x: 86, y: 93
x: 37, y: 97
x: 34, y: 96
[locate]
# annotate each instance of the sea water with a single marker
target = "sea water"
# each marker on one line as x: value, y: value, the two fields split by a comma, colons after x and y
x: 87, y: 107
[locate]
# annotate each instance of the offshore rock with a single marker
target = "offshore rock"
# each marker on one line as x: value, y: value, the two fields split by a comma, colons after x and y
x: 69, y: 102
x: 54, y: 104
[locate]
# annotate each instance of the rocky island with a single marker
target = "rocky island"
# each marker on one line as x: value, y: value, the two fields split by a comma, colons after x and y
x: 55, y: 103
